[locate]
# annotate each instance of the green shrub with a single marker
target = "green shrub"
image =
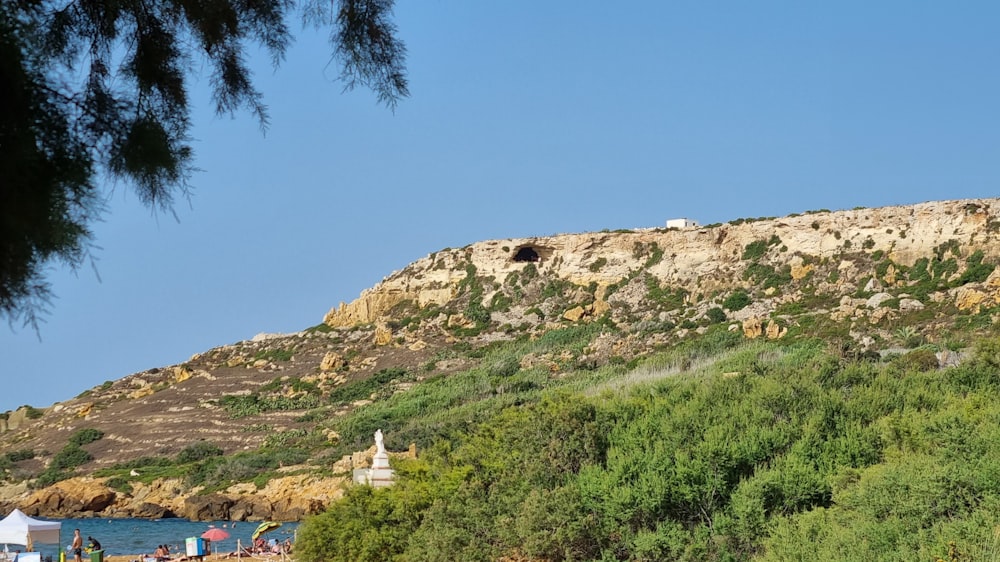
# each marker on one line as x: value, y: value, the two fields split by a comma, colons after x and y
x: 598, y: 264
x: 950, y: 246
x: 284, y: 439
x: 975, y: 271
x: 918, y: 360
x: 143, y: 462
x: 738, y: 300
x: 253, y: 404
x: 716, y: 315
x: 19, y: 455
x: 755, y: 250
x: 83, y: 436
x: 655, y: 256
x: 500, y: 302
x: 664, y: 297
x: 555, y: 288
x: 944, y: 269
x: 32, y: 413
x: 220, y: 472
x: 197, y: 451
x: 71, y: 456
x: 119, y: 483
x: 767, y: 276
x: 379, y: 382
x: 49, y: 477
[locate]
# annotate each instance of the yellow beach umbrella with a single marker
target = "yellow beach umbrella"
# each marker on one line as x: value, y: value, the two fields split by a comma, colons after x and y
x: 263, y: 528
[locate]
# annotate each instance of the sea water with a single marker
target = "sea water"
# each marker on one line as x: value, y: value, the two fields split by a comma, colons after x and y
x: 142, y: 536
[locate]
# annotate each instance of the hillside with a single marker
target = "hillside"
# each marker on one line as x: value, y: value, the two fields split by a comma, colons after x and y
x: 270, y: 428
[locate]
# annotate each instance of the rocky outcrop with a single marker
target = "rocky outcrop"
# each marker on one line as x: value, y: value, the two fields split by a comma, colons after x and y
x: 149, y: 511
x: 212, y: 507
x: 284, y: 498
x: 860, y: 275
x: 70, y: 497
x: 698, y: 260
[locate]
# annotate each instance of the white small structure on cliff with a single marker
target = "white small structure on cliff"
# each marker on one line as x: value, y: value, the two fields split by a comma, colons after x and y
x: 379, y: 475
x: 682, y: 223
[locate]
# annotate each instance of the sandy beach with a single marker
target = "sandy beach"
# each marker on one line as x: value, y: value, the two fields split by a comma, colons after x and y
x: 212, y: 558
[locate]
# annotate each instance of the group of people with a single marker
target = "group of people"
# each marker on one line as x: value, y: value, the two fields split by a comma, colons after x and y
x: 77, y: 545
x: 263, y: 547
x: 161, y: 553
x: 273, y: 546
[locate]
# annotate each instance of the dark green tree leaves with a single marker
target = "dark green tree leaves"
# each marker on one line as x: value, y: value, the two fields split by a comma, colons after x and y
x: 95, y: 91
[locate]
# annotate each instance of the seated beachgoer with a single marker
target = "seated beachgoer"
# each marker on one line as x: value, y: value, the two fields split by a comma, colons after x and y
x: 243, y: 551
x: 161, y: 553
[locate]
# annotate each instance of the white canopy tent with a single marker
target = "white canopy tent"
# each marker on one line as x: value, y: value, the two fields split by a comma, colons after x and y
x: 18, y: 528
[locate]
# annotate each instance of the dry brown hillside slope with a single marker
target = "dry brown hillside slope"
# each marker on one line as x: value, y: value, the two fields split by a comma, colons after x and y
x: 865, y: 279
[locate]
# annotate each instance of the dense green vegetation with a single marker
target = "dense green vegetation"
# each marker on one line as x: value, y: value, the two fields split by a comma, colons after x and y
x: 66, y: 460
x: 754, y: 451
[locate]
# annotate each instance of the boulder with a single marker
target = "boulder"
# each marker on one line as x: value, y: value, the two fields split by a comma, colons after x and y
x: 383, y: 334
x: 251, y: 508
x: 70, y: 497
x: 800, y: 271
x: 774, y: 331
x: 146, y: 510
x: 877, y: 299
x: 574, y: 314
x: 969, y: 298
x: 331, y: 362
x: 212, y: 507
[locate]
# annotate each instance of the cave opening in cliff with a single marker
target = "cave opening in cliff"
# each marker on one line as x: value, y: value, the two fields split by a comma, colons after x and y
x: 526, y: 254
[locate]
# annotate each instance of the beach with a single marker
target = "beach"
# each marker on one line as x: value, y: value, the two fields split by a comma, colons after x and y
x: 210, y: 558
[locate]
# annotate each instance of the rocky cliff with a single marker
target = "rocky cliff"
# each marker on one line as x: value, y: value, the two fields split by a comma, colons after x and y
x: 837, y: 259
x: 243, y: 431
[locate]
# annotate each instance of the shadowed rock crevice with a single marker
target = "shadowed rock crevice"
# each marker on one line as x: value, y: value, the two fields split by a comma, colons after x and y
x: 526, y: 254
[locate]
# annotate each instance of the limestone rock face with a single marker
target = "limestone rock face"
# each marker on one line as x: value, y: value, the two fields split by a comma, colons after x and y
x: 212, y: 507
x: 699, y: 260
x: 774, y: 331
x: 752, y: 328
x: 970, y: 298
x: 383, y: 334
x: 657, y: 286
x: 252, y: 508
x: 151, y: 511
x: 574, y: 314
x: 800, y: 271
x: 331, y: 362
x: 69, y: 497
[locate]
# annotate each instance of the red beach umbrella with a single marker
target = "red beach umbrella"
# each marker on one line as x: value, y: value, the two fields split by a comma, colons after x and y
x: 215, y: 534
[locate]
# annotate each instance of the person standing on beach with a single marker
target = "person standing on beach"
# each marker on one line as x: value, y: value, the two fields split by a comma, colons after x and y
x: 77, y: 546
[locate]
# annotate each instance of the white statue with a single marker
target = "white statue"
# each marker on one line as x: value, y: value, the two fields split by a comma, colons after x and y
x: 379, y: 442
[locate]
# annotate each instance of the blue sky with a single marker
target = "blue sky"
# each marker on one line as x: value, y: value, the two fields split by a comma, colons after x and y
x: 526, y: 118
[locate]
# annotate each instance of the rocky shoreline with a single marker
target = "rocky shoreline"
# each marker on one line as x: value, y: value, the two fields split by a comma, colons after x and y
x: 283, y: 499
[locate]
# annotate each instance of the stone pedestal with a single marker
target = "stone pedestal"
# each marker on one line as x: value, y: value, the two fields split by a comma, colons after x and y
x: 379, y: 475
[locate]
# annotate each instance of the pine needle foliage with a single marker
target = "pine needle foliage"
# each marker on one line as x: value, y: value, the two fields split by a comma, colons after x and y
x: 97, y: 91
